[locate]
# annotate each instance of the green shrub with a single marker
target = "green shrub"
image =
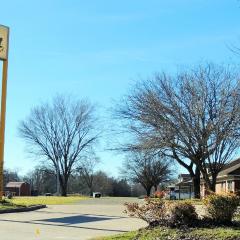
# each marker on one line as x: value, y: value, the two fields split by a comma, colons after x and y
x: 221, y: 208
x: 153, y: 211
x: 182, y: 213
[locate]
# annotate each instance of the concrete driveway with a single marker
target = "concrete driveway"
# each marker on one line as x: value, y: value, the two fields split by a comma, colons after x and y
x: 84, y: 220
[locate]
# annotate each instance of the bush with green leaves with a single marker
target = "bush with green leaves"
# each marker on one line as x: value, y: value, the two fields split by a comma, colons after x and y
x: 153, y: 211
x: 182, y: 213
x: 221, y: 208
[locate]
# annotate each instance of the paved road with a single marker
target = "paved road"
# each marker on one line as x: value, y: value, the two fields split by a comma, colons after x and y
x: 84, y: 220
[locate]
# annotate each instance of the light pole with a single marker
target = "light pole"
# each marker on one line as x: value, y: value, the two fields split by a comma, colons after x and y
x: 4, y: 40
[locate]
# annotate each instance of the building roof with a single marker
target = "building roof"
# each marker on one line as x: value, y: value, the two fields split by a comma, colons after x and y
x: 185, y: 183
x: 184, y: 179
x: 230, y: 167
x: 227, y: 169
x: 14, y: 184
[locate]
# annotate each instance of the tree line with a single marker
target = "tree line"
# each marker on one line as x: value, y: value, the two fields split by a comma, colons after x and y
x: 43, y: 181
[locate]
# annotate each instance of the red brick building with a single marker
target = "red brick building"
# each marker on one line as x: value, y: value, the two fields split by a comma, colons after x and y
x: 18, y: 188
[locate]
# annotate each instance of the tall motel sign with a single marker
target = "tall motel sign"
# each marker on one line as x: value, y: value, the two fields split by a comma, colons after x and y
x: 4, y: 40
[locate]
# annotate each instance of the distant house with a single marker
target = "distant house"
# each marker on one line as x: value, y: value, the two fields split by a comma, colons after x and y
x: 228, y: 179
x: 184, y: 178
x: 18, y: 188
x: 183, y: 189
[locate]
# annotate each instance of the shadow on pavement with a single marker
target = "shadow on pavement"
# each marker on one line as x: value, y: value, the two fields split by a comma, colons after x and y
x: 60, y: 225
x: 77, y: 219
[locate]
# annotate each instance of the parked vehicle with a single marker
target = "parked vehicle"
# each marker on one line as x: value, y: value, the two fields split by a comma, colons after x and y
x: 97, y: 194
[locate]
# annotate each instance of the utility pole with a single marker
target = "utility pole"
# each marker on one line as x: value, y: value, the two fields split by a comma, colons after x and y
x: 4, y: 40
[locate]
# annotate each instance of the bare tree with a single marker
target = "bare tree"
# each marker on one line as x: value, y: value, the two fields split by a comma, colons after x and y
x: 42, y: 180
x: 103, y: 183
x: 146, y: 168
x: 121, y: 188
x: 61, y: 133
x: 86, y: 169
x: 10, y: 176
x: 193, y: 117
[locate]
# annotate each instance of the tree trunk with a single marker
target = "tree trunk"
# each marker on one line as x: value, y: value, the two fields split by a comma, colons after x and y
x: 63, y: 191
x: 210, y: 181
x: 91, y: 191
x: 213, y: 187
x: 148, y: 190
x: 214, y: 181
x: 196, y: 183
x: 155, y: 188
x: 64, y: 185
x: 211, y: 184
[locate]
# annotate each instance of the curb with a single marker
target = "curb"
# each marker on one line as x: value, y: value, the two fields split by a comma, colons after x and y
x: 23, y: 209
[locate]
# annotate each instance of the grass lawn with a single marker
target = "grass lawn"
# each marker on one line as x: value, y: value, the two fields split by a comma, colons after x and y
x: 163, y: 233
x: 7, y: 205
x: 4, y: 207
x: 52, y: 200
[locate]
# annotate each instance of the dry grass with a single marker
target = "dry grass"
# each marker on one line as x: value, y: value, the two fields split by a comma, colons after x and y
x: 52, y: 200
x: 164, y: 233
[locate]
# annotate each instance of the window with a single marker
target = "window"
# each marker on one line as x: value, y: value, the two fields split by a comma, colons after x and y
x: 230, y: 186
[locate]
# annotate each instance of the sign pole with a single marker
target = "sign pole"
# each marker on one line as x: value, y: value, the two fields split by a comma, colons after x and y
x: 2, y: 125
x: 4, y: 39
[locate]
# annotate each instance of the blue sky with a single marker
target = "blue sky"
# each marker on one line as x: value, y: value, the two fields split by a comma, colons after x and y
x: 97, y: 49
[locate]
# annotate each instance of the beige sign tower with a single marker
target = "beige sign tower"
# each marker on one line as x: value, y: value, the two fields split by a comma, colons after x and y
x: 4, y: 39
